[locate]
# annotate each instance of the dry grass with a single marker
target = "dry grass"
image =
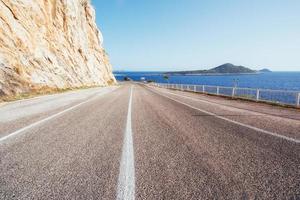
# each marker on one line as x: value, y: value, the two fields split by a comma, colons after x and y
x: 42, y: 91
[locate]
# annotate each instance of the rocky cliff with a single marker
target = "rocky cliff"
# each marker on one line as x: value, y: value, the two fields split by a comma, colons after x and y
x: 50, y: 44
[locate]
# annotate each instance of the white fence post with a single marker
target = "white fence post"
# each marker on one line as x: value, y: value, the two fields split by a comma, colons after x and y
x: 291, y: 96
x: 257, y: 94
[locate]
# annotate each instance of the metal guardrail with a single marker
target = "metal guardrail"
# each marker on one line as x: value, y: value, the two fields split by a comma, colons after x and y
x: 282, y: 97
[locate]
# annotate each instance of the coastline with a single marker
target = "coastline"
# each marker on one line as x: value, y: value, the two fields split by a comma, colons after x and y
x: 211, y: 74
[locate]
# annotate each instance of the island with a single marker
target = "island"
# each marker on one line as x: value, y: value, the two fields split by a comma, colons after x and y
x: 227, y: 68
x: 265, y: 70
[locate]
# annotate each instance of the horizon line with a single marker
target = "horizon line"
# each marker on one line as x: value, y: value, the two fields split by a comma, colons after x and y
x: 131, y: 70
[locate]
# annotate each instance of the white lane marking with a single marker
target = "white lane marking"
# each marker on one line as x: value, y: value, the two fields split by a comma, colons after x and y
x: 10, y: 135
x: 232, y: 107
x: 226, y: 119
x: 126, y: 182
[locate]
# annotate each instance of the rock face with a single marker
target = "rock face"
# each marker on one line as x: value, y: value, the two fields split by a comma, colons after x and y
x: 50, y: 44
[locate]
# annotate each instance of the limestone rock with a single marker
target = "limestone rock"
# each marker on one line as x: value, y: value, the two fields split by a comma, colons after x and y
x: 50, y: 44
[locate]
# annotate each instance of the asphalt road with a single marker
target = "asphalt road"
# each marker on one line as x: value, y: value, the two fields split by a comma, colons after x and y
x: 139, y: 142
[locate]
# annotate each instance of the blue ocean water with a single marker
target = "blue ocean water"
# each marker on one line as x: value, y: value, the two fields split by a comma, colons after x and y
x: 273, y: 80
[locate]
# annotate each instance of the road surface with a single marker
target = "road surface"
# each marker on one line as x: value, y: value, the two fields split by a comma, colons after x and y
x: 139, y: 142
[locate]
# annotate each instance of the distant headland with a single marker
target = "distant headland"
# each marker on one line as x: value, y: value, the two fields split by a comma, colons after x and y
x: 265, y: 70
x: 227, y: 68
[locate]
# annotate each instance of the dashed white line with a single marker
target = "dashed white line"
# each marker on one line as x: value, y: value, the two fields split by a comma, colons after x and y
x: 226, y: 119
x: 126, y: 182
x: 26, y: 128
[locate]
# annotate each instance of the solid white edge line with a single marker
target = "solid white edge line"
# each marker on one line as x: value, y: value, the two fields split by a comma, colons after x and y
x: 231, y: 107
x: 126, y: 180
x: 226, y: 119
x: 24, y: 129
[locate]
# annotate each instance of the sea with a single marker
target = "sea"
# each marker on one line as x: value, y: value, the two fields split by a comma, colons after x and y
x: 269, y: 80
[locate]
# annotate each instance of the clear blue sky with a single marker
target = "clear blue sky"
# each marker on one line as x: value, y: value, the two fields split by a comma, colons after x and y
x: 162, y: 35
